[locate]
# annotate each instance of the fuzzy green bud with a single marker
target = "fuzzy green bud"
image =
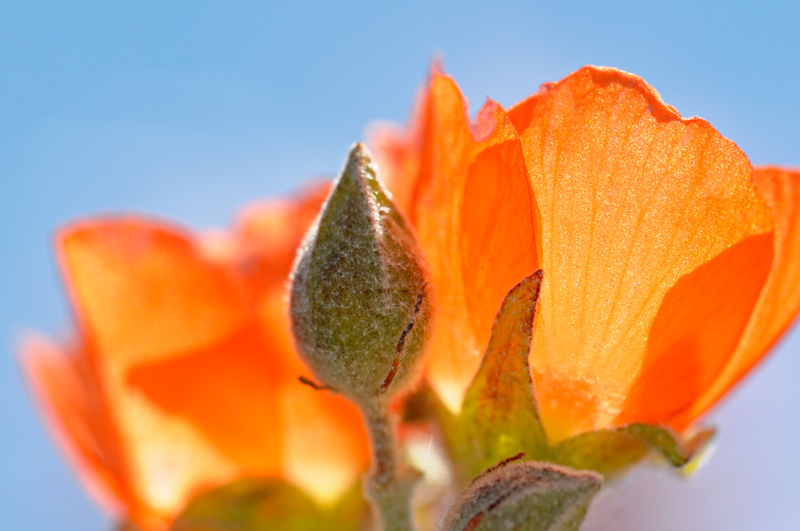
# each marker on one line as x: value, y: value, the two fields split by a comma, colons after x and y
x: 360, y: 305
x: 529, y: 495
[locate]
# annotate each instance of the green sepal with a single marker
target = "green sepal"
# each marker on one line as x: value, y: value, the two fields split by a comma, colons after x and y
x: 528, y: 495
x: 612, y: 451
x: 499, y: 417
x: 266, y: 503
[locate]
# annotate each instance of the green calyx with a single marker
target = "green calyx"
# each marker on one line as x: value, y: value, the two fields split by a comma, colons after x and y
x: 360, y: 304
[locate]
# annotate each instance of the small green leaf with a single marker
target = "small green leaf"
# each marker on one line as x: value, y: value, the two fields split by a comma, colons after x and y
x: 612, y: 451
x: 527, y: 495
x: 266, y: 504
x: 499, y: 416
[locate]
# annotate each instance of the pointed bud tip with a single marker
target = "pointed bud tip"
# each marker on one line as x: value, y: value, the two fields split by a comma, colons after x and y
x: 358, y: 156
x: 359, y: 150
x: 358, y: 169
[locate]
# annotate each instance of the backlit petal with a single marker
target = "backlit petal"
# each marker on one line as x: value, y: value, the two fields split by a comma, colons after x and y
x: 324, y: 471
x: 144, y: 291
x: 471, y: 206
x: 75, y: 412
x: 208, y: 407
x: 268, y: 233
x: 398, y: 154
x: 633, y: 198
x: 696, y: 330
x: 189, y: 365
x: 779, y: 303
x: 220, y: 391
x: 325, y: 442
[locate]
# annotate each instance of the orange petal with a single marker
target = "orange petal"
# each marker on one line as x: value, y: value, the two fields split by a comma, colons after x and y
x: 193, y: 374
x: 268, y: 233
x: 696, y: 330
x: 498, y: 220
x: 231, y: 412
x: 173, y: 350
x: 266, y: 237
x: 326, y: 446
x: 779, y: 303
x: 471, y: 206
x: 398, y: 153
x: 309, y: 416
x: 212, y: 415
x: 144, y: 291
x: 74, y: 411
x: 228, y: 394
x: 194, y: 421
x: 168, y: 457
x: 633, y: 198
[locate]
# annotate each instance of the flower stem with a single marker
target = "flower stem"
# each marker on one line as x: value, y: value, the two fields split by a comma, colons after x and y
x: 387, y: 487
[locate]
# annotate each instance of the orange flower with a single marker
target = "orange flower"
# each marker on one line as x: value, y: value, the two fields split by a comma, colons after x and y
x: 183, y: 374
x: 668, y: 273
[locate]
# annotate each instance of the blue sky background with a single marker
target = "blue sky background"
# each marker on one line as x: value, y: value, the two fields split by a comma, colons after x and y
x: 189, y: 110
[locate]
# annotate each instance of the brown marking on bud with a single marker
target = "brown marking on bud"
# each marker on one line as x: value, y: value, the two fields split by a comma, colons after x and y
x: 499, y: 465
x: 475, y: 520
x: 473, y: 523
x: 525, y: 495
x: 402, y: 341
x: 314, y: 385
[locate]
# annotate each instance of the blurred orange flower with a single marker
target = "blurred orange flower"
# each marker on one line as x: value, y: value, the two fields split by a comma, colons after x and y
x: 669, y: 271
x: 183, y: 374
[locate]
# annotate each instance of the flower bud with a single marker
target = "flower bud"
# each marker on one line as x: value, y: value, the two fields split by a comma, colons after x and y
x: 525, y: 495
x: 360, y: 304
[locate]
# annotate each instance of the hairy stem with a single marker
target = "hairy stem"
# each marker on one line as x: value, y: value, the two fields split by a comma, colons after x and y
x: 387, y: 487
